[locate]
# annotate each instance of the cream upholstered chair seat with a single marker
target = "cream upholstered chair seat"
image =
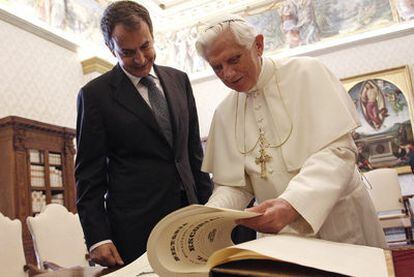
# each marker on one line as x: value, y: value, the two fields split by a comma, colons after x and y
x: 12, y: 259
x: 392, y: 208
x: 58, y: 237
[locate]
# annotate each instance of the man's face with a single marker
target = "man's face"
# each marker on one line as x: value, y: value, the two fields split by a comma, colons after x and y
x: 237, y: 66
x: 134, y: 49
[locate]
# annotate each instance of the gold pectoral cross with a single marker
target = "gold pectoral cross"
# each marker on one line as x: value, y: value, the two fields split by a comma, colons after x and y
x: 262, y: 160
x: 263, y: 157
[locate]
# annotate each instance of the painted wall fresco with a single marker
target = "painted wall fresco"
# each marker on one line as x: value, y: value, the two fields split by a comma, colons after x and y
x: 177, y: 49
x: 268, y: 23
x: 341, y: 17
x: 78, y: 18
x: 295, y: 23
x: 286, y: 24
x: 405, y: 9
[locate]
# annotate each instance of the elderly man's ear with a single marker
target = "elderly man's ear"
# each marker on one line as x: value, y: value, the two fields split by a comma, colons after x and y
x: 259, y: 44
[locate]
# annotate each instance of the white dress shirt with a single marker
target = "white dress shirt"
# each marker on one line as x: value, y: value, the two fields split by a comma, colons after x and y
x: 143, y: 90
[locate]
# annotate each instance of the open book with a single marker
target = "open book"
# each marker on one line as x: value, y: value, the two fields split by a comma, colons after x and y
x: 194, y: 239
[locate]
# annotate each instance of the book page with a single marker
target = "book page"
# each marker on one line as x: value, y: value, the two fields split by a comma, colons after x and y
x: 346, y: 259
x: 182, y: 242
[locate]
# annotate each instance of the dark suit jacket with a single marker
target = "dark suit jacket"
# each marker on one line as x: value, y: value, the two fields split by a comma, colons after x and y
x: 128, y: 177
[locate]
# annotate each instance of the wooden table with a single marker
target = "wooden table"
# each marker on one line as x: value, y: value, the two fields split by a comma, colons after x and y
x: 400, y: 263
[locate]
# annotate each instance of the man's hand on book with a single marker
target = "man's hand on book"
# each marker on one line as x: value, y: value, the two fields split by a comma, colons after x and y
x: 106, y: 255
x: 276, y: 214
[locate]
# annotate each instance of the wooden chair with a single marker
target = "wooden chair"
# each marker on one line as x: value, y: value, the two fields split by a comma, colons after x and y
x: 12, y: 260
x: 393, y: 209
x: 58, y: 238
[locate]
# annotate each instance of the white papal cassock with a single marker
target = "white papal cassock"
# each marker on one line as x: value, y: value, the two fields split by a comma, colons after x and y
x: 296, y: 99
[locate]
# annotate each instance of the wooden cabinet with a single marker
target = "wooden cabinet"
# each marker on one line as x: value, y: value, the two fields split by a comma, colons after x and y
x: 36, y: 168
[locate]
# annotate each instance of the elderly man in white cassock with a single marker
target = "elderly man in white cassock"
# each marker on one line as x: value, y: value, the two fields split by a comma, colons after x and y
x: 283, y: 136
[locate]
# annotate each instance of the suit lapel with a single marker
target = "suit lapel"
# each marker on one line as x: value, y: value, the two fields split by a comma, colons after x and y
x: 125, y: 93
x: 173, y: 95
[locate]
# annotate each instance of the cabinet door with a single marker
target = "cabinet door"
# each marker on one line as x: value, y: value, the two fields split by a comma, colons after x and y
x: 37, y: 184
x: 56, y: 180
x: 46, y: 179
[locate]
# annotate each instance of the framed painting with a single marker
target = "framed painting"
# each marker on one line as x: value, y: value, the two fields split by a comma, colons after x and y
x: 384, y: 102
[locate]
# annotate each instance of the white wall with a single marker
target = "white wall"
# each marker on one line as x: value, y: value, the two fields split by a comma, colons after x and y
x: 208, y: 93
x: 38, y: 78
x: 371, y: 57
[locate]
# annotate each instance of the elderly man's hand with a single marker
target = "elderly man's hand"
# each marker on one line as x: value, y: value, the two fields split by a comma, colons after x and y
x: 106, y: 255
x: 276, y: 214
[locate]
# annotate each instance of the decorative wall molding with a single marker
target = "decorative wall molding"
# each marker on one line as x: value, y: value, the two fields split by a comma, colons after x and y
x: 95, y: 64
x: 326, y: 47
x: 42, y: 32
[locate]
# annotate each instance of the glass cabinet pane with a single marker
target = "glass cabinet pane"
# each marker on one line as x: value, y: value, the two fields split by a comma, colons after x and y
x: 37, y: 168
x: 55, y: 174
x: 46, y: 179
x: 38, y: 201
x: 36, y: 156
x: 55, y: 159
x: 37, y: 175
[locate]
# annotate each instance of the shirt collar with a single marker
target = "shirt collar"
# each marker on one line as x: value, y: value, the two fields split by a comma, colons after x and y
x: 135, y: 80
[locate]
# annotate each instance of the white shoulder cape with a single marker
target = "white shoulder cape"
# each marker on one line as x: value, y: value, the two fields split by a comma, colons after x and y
x: 317, y: 107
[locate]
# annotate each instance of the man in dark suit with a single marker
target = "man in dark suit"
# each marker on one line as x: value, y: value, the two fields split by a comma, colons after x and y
x: 411, y: 160
x: 139, y: 152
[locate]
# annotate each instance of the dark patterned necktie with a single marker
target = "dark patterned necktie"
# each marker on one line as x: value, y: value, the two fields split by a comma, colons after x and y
x: 159, y: 107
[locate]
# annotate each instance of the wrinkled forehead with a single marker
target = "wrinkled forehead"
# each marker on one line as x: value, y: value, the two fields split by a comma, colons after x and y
x: 220, y: 56
x: 225, y: 40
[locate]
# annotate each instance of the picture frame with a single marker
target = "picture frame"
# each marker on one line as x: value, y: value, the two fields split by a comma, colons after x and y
x: 385, y: 103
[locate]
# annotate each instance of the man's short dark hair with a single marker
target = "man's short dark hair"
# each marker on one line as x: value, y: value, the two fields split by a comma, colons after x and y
x: 127, y: 13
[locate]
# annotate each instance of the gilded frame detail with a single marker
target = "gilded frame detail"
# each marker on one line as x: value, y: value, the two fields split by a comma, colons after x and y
x: 385, y: 103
